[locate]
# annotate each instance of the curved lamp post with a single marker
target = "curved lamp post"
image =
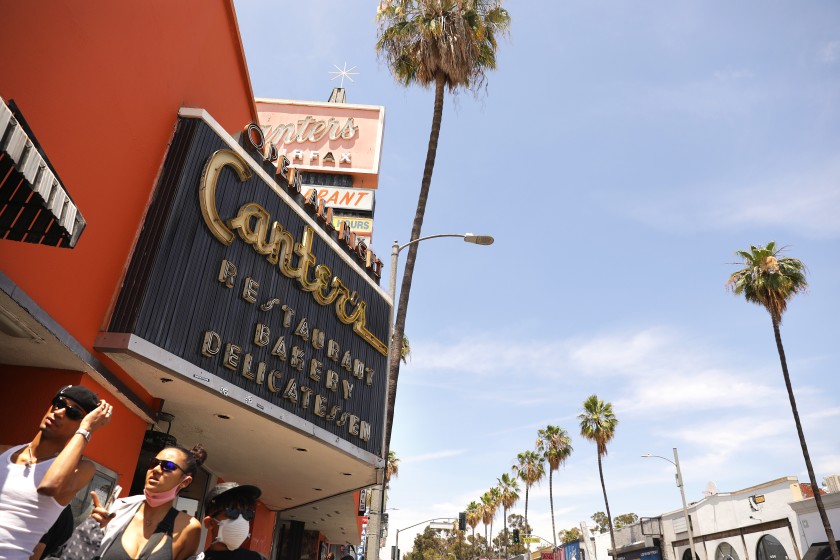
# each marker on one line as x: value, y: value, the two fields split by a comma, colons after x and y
x: 395, y: 253
x: 676, y: 463
x: 395, y: 346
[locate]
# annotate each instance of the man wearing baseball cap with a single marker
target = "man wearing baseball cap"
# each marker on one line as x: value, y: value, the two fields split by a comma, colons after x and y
x: 38, y: 479
x: 229, y: 510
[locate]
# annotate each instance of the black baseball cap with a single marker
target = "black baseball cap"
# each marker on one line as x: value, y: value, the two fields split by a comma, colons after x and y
x: 231, y: 491
x: 86, y: 398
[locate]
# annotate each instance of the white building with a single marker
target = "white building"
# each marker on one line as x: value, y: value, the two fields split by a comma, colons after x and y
x: 769, y: 521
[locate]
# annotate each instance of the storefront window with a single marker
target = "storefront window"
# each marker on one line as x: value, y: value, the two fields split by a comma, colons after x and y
x: 687, y: 555
x: 725, y: 552
x: 769, y: 548
x: 103, y: 483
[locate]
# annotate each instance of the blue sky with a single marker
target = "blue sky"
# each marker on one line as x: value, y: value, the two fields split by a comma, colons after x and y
x: 620, y: 154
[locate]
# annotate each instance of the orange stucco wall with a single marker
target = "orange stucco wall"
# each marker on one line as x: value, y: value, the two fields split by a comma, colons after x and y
x: 262, y: 530
x: 100, y: 84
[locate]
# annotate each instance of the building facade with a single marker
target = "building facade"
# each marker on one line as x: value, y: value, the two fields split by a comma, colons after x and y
x: 153, y: 250
x: 770, y: 521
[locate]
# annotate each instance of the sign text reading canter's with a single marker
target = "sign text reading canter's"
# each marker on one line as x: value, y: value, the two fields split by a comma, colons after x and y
x: 271, y: 239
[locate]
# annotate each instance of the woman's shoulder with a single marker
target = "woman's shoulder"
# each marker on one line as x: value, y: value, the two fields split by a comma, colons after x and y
x: 186, y: 535
x: 186, y: 521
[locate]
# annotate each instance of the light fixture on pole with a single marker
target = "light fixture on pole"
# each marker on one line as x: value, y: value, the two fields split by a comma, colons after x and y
x: 676, y: 463
x: 395, y: 252
x: 394, y: 346
x: 395, y: 552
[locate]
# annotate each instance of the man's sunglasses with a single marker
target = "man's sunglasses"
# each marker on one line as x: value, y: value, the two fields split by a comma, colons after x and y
x: 234, y: 513
x: 71, y: 412
x: 165, y: 466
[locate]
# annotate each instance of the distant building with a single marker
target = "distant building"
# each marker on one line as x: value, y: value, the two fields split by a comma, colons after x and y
x: 774, y: 520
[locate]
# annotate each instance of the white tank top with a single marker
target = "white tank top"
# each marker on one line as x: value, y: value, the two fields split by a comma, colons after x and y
x: 25, y: 515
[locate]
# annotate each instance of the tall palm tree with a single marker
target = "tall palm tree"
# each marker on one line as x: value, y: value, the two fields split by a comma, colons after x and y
x: 509, y: 489
x: 392, y: 468
x: 448, y: 44
x: 495, y: 502
x: 473, y: 519
x: 555, y: 445
x: 770, y: 281
x: 597, y: 424
x: 530, y: 469
x: 487, y: 512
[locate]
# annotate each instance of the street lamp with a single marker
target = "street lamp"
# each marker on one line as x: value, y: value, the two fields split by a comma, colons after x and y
x: 395, y: 553
x: 395, y: 346
x: 395, y: 252
x: 676, y: 463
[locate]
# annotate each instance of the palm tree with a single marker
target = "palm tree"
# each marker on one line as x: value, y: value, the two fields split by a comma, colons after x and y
x: 530, y: 470
x: 509, y: 490
x: 473, y: 519
x: 770, y: 282
x: 555, y: 445
x: 487, y: 512
x: 598, y: 423
x: 495, y: 502
x: 450, y: 44
x: 392, y: 468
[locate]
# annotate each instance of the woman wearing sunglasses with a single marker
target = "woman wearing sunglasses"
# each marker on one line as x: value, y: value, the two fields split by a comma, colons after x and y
x: 147, y: 526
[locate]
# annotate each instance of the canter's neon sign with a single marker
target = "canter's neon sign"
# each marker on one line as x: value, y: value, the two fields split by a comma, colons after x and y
x: 253, y: 224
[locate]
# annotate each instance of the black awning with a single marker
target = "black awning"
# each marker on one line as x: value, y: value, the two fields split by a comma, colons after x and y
x: 818, y: 551
x: 34, y: 206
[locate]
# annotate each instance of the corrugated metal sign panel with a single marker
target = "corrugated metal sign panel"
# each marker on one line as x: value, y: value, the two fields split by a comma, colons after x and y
x: 173, y: 297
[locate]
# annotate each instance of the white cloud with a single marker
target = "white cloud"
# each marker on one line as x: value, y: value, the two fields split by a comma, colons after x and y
x: 654, y: 368
x: 830, y: 52
x: 807, y: 201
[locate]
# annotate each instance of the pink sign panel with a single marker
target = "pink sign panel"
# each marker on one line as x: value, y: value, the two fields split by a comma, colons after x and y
x: 326, y: 137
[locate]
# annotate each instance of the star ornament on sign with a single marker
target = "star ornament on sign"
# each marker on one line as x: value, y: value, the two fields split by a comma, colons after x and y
x: 343, y: 73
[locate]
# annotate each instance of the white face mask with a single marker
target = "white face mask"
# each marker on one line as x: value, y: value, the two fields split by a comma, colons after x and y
x: 233, y: 532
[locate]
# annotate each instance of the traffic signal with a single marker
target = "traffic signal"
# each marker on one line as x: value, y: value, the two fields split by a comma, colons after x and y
x: 516, y: 535
x: 462, y: 521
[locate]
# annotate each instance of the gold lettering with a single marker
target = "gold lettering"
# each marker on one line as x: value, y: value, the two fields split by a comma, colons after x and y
x: 315, y: 369
x: 279, y: 349
x: 318, y: 339
x: 307, y: 393
x: 207, y: 190
x: 273, y: 380
x: 348, y: 389
x: 227, y: 273
x: 262, y: 336
x: 298, y: 357
x: 320, y: 406
x: 231, y: 357
x: 333, y: 350
x: 246, y: 367
x: 254, y: 226
x: 249, y: 290
x: 333, y: 413
x: 288, y: 313
x: 331, y: 381
x: 302, y: 329
x: 358, y: 369
x: 291, y: 391
x: 364, y: 432
x: 212, y: 344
